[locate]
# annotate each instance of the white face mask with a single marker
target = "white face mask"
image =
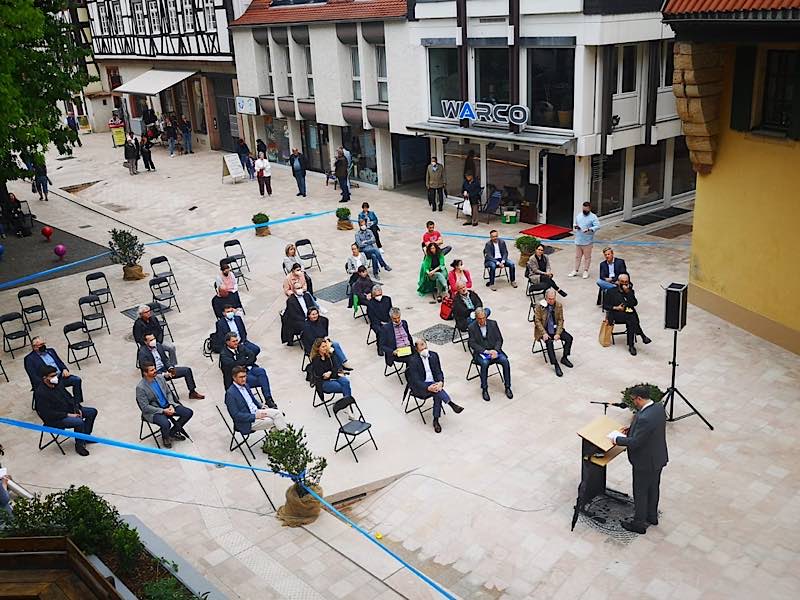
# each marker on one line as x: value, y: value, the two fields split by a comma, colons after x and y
x: 363, y: 228
x: 298, y: 292
x: 54, y: 380
x: 378, y: 297
x: 230, y: 315
x: 152, y: 343
x: 424, y: 353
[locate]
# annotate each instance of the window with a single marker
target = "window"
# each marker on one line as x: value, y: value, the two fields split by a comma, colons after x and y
x: 271, y: 89
x: 551, y: 86
x: 607, y: 191
x: 277, y: 139
x: 779, y: 92
x: 210, y: 15
x: 199, y: 107
x: 117, y: 17
x: 444, y: 78
x: 309, y: 72
x: 458, y: 160
x: 507, y: 172
x: 668, y: 62
x: 288, y: 60
x: 361, y: 144
x: 103, y: 13
x: 155, y: 18
x: 648, y: 173
x: 383, y: 81
x: 139, y: 18
x: 623, y: 77
x: 684, y: 179
x: 356, y: 68
x: 491, y: 75
x: 172, y: 15
x: 188, y: 15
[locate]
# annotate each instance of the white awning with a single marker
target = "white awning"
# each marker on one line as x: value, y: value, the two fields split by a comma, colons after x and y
x: 152, y: 82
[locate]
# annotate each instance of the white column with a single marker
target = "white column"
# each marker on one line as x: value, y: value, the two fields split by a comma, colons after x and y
x: 383, y: 156
x: 584, y: 97
x: 668, y: 167
x: 334, y: 141
x: 583, y: 173
x: 295, y: 139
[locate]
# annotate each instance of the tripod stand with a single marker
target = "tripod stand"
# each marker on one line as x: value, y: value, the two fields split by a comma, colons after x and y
x: 669, y: 397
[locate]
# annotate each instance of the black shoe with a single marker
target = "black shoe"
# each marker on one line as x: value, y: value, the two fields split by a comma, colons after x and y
x: 634, y: 527
x: 456, y: 408
x: 436, y: 427
x: 632, y: 350
x: 343, y: 200
x: 89, y: 442
x: 166, y: 442
x: 485, y: 394
x: 509, y: 393
x: 488, y: 284
x: 466, y: 224
x: 271, y: 403
x: 566, y: 362
x: 652, y: 521
x: 298, y: 194
x: 646, y: 339
x: 562, y: 293
x: 380, y: 352
x: 177, y: 436
x: 474, y: 224
x: 559, y: 372
x: 81, y: 450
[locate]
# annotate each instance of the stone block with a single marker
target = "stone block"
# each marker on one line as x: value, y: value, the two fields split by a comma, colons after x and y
x: 701, y: 143
x: 679, y: 90
x: 697, y: 61
x: 701, y: 157
x: 703, y: 109
x: 694, y: 48
x: 701, y: 129
x: 698, y: 76
x: 682, y: 107
x: 703, y: 90
x: 678, y: 76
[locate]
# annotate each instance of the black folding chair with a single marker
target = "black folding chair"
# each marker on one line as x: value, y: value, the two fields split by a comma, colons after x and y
x: 394, y: 368
x: 161, y: 268
x: 543, y: 349
x: 532, y: 306
x: 351, y: 429
x: 92, y: 312
x: 13, y: 331
x: 86, y: 344
x: 245, y: 442
x: 54, y: 439
x: 3, y: 371
x: 419, y: 403
x: 309, y: 255
x: 477, y: 370
x: 155, y: 431
x: 35, y: 307
x: 501, y: 271
x: 236, y: 252
x: 236, y: 269
x: 159, y: 314
x: 492, y: 206
x: 162, y: 291
x: 460, y: 336
x: 98, y: 286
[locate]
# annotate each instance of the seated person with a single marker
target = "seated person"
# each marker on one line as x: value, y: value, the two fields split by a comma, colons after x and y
x: 294, y: 316
x: 610, y: 270
x: 365, y: 240
x: 620, y: 306
x: 395, y: 339
x: 147, y: 323
x: 431, y: 236
x: 158, y: 405
x: 354, y: 261
x: 539, y: 274
x: 316, y: 327
x: 486, y: 344
x: 227, y: 289
x: 426, y: 379
x: 378, y: 309
x: 230, y: 321
x: 464, y: 305
x: 246, y: 410
x: 548, y: 319
x: 153, y: 352
x: 371, y: 220
x: 495, y: 255
x: 432, y: 273
x: 457, y: 274
x: 41, y: 356
x: 296, y: 276
x: 326, y: 370
x: 57, y: 408
x: 234, y: 355
x: 290, y: 260
x: 361, y: 288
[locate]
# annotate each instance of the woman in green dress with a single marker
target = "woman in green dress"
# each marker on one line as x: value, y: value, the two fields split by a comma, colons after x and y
x: 432, y: 273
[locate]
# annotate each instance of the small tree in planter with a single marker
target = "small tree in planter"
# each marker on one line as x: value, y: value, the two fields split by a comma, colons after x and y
x: 127, y: 250
x: 288, y: 452
x: 261, y: 220
x: 343, y: 214
x: 526, y: 244
x: 655, y: 394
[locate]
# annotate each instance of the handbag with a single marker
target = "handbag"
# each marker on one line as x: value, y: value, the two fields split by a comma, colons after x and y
x: 605, y: 333
x: 446, y: 309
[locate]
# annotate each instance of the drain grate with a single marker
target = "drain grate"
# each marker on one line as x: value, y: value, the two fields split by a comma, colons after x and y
x: 79, y: 187
x: 333, y: 293
x: 608, y: 511
x: 439, y: 334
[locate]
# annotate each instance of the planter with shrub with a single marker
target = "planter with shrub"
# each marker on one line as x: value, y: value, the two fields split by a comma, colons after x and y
x: 526, y: 244
x: 343, y: 216
x: 127, y: 250
x: 261, y: 220
x: 655, y: 394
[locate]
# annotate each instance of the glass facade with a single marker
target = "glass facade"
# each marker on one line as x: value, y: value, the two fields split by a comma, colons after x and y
x: 508, y: 172
x: 361, y: 143
x: 443, y: 73
x: 491, y: 75
x: 551, y: 86
x: 277, y: 139
x: 684, y: 179
x: 458, y: 159
x: 648, y: 173
x: 607, y: 192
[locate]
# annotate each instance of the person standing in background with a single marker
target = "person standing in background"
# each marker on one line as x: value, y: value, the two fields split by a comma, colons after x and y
x: 435, y: 182
x: 132, y: 153
x: 72, y: 123
x: 147, y: 155
x: 172, y: 136
x: 341, y: 169
x: 585, y: 225
x: 299, y: 165
x: 263, y: 174
x: 186, y: 132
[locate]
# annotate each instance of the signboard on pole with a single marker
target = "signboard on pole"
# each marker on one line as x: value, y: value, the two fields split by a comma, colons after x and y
x: 232, y: 167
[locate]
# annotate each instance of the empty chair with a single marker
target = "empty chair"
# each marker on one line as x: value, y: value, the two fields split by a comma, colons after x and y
x: 98, y: 286
x: 353, y: 426
x: 79, y: 343
x: 162, y: 291
x: 92, y: 312
x: 14, y: 329
x: 161, y: 268
x: 31, y: 304
x: 235, y: 252
x: 492, y: 206
x: 309, y: 254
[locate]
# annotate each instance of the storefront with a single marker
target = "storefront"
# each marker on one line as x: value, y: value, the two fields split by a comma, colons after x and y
x: 276, y: 137
x: 315, y: 145
x: 227, y: 119
x: 361, y: 144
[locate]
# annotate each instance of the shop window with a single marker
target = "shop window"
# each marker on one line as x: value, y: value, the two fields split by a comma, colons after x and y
x: 309, y: 72
x: 155, y: 19
x: 183, y: 99
x: 778, y: 92
x: 458, y: 159
x: 491, y: 75
x: 507, y: 172
x: 623, y: 77
x: 116, y: 12
x: 287, y: 57
x: 684, y: 179
x: 271, y: 89
x: 172, y: 15
x: 551, y: 86
x: 210, y: 15
x: 277, y: 139
x: 102, y: 12
x: 648, y: 173
x: 444, y: 77
x: 667, y: 62
x: 188, y: 15
x: 607, y: 191
x: 361, y: 144
x: 383, y: 80
x: 355, y: 65
x: 139, y: 18
x: 167, y: 102
x: 200, y: 125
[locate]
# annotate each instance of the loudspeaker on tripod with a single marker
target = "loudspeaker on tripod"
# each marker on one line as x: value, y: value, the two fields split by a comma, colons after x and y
x: 675, y: 306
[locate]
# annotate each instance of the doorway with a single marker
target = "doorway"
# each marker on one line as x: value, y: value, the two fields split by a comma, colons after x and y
x: 560, y: 189
x: 315, y: 145
x: 227, y: 118
x: 410, y: 157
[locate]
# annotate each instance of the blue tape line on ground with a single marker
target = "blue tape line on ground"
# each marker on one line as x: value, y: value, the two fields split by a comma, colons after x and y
x: 32, y: 276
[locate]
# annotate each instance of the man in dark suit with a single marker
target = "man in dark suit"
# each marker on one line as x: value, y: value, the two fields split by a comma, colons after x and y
x: 646, y: 441
x: 610, y: 269
x: 246, y: 410
x: 620, y: 306
x: 486, y: 344
x: 378, y: 308
x: 41, y: 356
x: 230, y: 321
x: 395, y: 339
x: 147, y: 323
x: 294, y: 317
x: 234, y: 355
x: 495, y: 255
x: 58, y: 409
x: 464, y: 304
x: 426, y: 379
x: 155, y: 353
x: 158, y: 405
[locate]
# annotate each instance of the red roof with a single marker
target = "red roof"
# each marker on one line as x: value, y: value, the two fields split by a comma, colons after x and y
x: 686, y: 7
x: 260, y: 12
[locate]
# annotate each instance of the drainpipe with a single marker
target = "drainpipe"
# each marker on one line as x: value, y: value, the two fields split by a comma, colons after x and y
x: 463, y: 54
x: 513, y: 58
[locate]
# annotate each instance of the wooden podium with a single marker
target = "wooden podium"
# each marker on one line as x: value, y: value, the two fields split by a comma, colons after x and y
x: 596, y: 452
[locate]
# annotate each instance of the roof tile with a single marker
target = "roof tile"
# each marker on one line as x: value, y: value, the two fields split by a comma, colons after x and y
x: 678, y: 7
x: 261, y: 13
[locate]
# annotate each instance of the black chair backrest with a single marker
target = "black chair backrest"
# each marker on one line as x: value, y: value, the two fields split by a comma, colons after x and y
x: 97, y: 275
x: 158, y: 260
x: 158, y: 282
x: 343, y: 403
x: 231, y: 243
x: 28, y: 292
x: 303, y: 242
x: 90, y: 299
x: 8, y: 317
x: 76, y: 326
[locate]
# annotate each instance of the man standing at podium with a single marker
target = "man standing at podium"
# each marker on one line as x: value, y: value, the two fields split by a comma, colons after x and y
x: 646, y: 441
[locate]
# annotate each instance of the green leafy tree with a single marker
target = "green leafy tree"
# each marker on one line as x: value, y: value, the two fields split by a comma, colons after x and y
x: 39, y: 66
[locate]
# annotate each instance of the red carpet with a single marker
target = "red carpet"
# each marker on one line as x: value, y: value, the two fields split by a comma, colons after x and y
x: 547, y: 232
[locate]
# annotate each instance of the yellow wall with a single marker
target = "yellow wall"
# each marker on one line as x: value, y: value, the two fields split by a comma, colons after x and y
x: 746, y: 239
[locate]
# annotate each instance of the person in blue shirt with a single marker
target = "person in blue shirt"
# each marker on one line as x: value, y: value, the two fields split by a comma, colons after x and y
x: 372, y: 223
x: 585, y: 225
x: 159, y: 406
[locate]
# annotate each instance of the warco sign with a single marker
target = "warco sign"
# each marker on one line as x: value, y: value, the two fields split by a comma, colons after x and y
x: 488, y: 113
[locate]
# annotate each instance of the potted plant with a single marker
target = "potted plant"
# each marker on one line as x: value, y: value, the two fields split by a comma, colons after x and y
x: 526, y: 244
x: 343, y: 216
x: 655, y: 394
x: 260, y: 220
x: 127, y: 250
x: 287, y: 452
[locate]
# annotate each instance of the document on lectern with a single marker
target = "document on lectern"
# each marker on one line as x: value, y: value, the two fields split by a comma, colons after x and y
x: 596, y: 433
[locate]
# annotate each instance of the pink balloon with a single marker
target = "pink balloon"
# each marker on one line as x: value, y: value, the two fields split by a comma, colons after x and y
x: 60, y: 250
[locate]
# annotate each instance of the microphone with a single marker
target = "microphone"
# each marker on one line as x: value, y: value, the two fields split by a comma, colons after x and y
x: 619, y: 404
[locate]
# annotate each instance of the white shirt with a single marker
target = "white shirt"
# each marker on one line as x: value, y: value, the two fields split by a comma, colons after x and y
x: 483, y: 330
x: 156, y: 358
x: 497, y: 253
x: 263, y: 163
x: 610, y: 268
x: 247, y: 398
x: 426, y: 362
x: 302, y: 302
x: 232, y: 326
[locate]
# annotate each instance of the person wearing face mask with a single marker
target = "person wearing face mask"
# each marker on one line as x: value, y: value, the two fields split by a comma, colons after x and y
x: 435, y: 182
x: 426, y: 380
x: 227, y: 289
x: 365, y: 240
x: 585, y: 226
x: 378, y: 308
x: 232, y: 322
x: 297, y: 276
x: 153, y: 352
x: 620, y: 306
x: 290, y: 260
x: 294, y: 316
x: 41, y: 356
x: 316, y: 327
x: 57, y: 408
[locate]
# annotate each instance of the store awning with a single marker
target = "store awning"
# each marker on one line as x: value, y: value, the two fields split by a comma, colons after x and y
x: 152, y: 82
x: 564, y: 141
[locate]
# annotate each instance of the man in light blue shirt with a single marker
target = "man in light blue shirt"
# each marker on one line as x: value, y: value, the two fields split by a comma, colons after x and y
x: 585, y: 225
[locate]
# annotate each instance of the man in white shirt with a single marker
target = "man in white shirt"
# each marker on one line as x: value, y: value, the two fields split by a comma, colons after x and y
x: 495, y: 256
x: 246, y: 410
x: 426, y: 379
